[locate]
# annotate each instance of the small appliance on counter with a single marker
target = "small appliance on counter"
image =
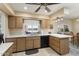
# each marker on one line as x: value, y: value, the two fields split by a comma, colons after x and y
x: 1, y: 38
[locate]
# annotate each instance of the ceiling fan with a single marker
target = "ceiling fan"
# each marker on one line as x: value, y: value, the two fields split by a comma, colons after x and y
x: 42, y: 4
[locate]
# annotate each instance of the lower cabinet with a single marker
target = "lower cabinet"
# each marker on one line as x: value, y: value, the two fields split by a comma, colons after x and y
x: 32, y: 42
x: 24, y: 43
x: 60, y: 45
x: 37, y: 42
x: 29, y: 43
x: 20, y: 44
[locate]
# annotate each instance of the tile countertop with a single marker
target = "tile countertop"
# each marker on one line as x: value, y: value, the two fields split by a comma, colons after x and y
x: 27, y: 35
x: 4, y: 47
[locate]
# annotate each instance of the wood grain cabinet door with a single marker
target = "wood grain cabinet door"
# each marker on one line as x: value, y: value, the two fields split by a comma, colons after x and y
x: 20, y: 44
x: 45, y: 24
x: 19, y: 22
x: 11, y: 22
x: 37, y: 42
x: 64, y: 46
x: 29, y: 43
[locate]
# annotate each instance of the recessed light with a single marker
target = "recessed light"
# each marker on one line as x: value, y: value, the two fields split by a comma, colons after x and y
x: 25, y: 7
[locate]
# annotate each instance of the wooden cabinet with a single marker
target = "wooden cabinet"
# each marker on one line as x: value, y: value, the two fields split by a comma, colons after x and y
x: 29, y: 43
x: 14, y: 41
x: 32, y: 42
x: 19, y: 22
x: 24, y: 43
x: 37, y: 42
x: 64, y: 46
x: 11, y: 22
x: 20, y: 44
x: 45, y: 24
x: 60, y: 45
x: 15, y: 22
x: 54, y: 43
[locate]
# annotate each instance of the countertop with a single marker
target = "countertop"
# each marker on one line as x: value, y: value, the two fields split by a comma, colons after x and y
x: 4, y: 47
x: 28, y: 35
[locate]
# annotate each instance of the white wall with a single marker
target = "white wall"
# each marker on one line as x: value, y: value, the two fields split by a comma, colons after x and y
x: 60, y: 24
x: 4, y: 18
x: 75, y: 26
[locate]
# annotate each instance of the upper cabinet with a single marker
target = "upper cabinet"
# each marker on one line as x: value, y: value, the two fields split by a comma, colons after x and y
x: 19, y: 22
x: 45, y: 24
x: 11, y: 22
x: 15, y: 22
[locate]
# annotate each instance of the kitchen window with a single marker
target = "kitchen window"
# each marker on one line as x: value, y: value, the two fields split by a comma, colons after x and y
x: 32, y: 26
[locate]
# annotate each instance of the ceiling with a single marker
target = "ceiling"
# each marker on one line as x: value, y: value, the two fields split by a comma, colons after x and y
x: 19, y: 7
x: 72, y: 9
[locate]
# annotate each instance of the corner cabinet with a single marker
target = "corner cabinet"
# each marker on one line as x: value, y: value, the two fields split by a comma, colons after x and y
x: 15, y: 22
x: 60, y: 45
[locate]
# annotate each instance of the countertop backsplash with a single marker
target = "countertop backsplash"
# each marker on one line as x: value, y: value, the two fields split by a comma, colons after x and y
x: 21, y: 31
x: 16, y: 32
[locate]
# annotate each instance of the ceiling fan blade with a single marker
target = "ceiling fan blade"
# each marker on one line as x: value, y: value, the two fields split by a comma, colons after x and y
x: 38, y: 9
x: 42, y: 3
x: 52, y: 3
x: 48, y: 10
x: 33, y: 3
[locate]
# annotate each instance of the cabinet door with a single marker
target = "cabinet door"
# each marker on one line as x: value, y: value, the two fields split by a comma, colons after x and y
x: 54, y: 43
x: 45, y: 24
x: 11, y: 22
x: 29, y: 43
x: 20, y: 44
x: 64, y: 46
x: 14, y: 41
x: 19, y: 22
x: 37, y: 42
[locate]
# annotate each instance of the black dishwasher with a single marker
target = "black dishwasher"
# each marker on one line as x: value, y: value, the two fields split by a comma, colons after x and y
x: 44, y: 41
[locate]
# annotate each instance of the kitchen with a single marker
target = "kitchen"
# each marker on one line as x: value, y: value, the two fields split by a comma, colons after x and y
x: 31, y: 33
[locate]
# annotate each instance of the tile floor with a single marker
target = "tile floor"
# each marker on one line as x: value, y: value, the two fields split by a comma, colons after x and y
x: 74, y: 51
